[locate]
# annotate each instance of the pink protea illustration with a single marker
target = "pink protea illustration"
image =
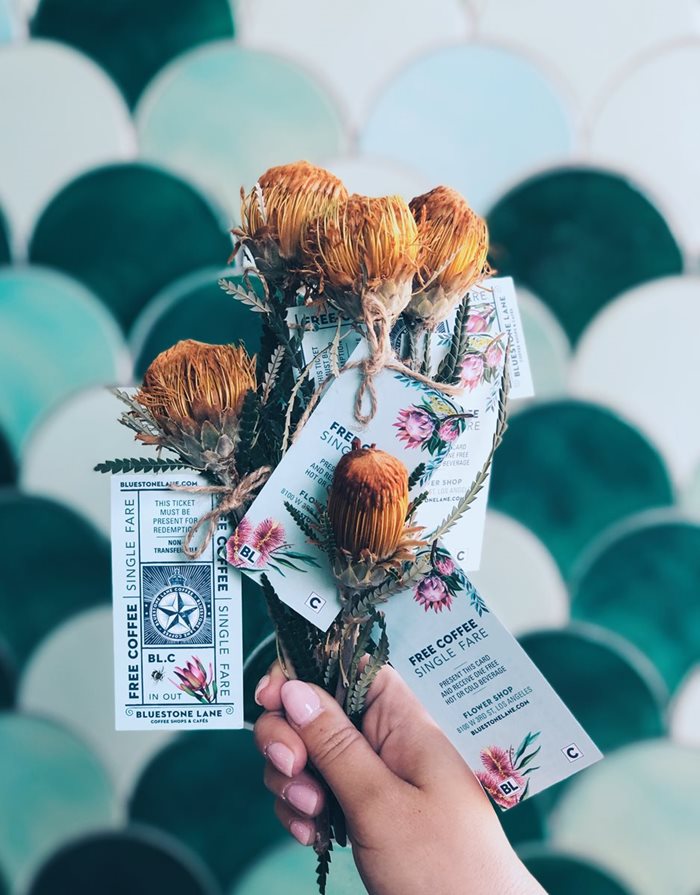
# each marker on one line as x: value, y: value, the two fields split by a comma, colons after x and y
x: 444, y: 565
x: 476, y: 323
x: 498, y: 761
x: 449, y: 430
x: 240, y: 536
x: 195, y: 681
x: 415, y: 426
x: 472, y: 371
x: 501, y: 779
x: 432, y: 593
x: 492, y: 783
x: 267, y: 537
x: 494, y: 354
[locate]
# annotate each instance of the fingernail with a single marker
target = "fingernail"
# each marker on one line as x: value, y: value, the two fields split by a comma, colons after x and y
x: 281, y: 757
x: 303, y: 831
x: 301, y: 702
x: 262, y: 683
x: 302, y: 797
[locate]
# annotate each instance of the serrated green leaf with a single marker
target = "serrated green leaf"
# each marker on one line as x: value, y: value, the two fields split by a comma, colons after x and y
x: 142, y: 464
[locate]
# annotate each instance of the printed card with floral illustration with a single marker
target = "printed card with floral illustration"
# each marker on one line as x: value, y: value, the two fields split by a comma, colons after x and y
x: 416, y: 423
x: 481, y: 687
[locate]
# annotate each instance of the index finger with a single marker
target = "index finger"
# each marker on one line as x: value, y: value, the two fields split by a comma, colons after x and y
x: 269, y: 688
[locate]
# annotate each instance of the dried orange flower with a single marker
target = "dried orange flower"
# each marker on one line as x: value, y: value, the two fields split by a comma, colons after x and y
x: 278, y: 209
x: 368, y: 502
x: 454, y: 246
x: 193, y: 382
x: 365, y: 246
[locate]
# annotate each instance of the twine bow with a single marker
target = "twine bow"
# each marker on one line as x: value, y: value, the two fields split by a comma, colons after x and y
x: 232, y: 499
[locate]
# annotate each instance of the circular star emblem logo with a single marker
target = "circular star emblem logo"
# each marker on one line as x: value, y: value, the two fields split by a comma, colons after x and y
x: 178, y: 612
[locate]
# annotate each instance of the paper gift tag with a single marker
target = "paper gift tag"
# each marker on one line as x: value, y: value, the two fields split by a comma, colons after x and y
x: 322, y: 329
x: 415, y: 423
x: 177, y: 622
x: 481, y: 687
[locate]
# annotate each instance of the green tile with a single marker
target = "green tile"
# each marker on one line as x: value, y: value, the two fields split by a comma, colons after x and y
x: 8, y: 466
x: 127, y: 231
x: 54, y: 565
x: 51, y: 788
x: 55, y: 338
x: 523, y: 823
x: 193, y: 308
x: 637, y: 814
x: 8, y: 678
x: 55, y: 685
x: 581, y: 662
x: 254, y: 667
x: 206, y: 789
x: 5, y: 254
x: 133, y: 40
x: 563, y: 874
x: 568, y: 469
x: 291, y: 869
x: 641, y: 580
x: 137, y: 861
x: 578, y: 237
x: 224, y: 114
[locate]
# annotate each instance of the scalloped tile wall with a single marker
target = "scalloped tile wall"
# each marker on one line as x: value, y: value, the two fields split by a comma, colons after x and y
x: 575, y: 129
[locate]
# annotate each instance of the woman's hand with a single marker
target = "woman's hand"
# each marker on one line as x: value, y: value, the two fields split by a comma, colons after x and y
x: 417, y: 818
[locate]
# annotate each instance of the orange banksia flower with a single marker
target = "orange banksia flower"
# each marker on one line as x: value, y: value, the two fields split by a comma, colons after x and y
x: 276, y: 212
x: 454, y: 245
x: 194, y: 382
x: 365, y: 247
x: 368, y: 502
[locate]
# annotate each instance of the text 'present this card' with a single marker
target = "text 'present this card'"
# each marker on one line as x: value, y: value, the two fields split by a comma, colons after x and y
x: 481, y: 688
x: 177, y: 622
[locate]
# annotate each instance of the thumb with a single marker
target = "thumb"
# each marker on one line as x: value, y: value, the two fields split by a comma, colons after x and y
x: 353, y: 770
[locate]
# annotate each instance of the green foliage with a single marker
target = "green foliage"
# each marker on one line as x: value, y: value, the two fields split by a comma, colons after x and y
x: 416, y: 476
x: 141, y: 464
x: 448, y: 371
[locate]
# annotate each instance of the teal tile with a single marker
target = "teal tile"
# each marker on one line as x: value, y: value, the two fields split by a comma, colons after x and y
x: 55, y: 338
x: 636, y: 814
x: 127, y: 231
x: 51, y: 787
x: 567, y: 470
x: 255, y: 666
x: 137, y: 860
x: 206, y: 789
x: 560, y: 873
x: 130, y: 39
x: 55, y: 685
x: 10, y: 29
x: 62, y: 568
x: 223, y: 114
x: 641, y: 580
x: 290, y: 869
x: 193, y: 308
x: 431, y: 117
x: 581, y: 661
x: 577, y: 237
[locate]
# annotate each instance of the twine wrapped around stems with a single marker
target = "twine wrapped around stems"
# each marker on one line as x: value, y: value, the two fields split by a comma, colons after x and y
x: 232, y: 499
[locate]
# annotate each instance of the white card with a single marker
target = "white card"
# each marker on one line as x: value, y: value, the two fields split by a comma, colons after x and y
x: 321, y: 328
x: 481, y: 687
x: 178, y: 659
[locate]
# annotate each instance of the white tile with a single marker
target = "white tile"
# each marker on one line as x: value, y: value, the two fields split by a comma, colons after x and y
x: 639, y: 356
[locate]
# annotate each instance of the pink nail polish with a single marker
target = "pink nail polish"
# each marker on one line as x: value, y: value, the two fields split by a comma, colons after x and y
x: 281, y: 757
x: 301, y: 702
x: 262, y: 683
x: 302, y: 831
x: 302, y: 797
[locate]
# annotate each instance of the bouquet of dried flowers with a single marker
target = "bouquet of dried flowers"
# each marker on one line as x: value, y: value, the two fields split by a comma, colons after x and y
x: 385, y: 266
